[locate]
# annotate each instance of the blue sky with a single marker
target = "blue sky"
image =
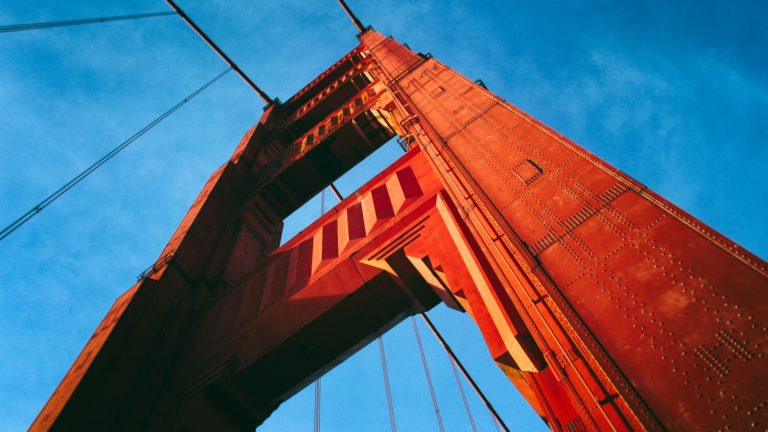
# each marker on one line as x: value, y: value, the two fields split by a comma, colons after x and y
x: 673, y: 93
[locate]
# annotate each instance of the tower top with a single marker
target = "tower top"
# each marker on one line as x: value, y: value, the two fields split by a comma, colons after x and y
x: 352, y: 16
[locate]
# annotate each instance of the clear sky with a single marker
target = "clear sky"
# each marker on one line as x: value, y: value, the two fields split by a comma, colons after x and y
x: 673, y: 93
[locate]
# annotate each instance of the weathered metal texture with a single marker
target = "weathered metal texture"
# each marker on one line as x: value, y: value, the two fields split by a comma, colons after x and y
x: 647, y: 318
x: 608, y: 307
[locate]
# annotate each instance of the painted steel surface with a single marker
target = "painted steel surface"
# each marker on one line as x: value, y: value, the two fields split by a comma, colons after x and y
x: 608, y: 307
x: 647, y: 318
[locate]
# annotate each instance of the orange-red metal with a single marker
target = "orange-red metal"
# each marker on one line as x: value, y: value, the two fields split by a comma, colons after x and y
x: 608, y: 307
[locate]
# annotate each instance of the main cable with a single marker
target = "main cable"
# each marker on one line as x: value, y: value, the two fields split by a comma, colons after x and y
x: 76, y: 22
x: 104, y: 159
x: 264, y: 96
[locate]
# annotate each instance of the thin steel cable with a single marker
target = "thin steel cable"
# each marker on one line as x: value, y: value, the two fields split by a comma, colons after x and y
x: 77, y: 22
x: 322, y: 203
x: 495, y: 424
x: 498, y: 421
x: 429, y: 377
x: 317, y: 383
x: 317, y: 405
x: 104, y: 159
x: 455, y: 362
x: 336, y: 192
x: 463, y: 395
x: 387, y: 389
x: 218, y: 51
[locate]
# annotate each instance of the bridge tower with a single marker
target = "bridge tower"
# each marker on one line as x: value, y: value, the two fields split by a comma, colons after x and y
x: 608, y: 307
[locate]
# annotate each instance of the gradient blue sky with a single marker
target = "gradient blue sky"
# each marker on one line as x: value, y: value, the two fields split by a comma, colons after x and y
x: 673, y: 93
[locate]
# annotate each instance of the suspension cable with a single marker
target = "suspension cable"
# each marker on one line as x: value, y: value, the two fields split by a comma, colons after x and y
x: 496, y: 424
x: 336, y: 192
x: 463, y: 396
x: 317, y: 405
x: 429, y: 377
x: 387, y: 389
x: 76, y: 22
x: 104, y: 159
x: 317, y: 382
x: 322, y: 203
x: 464, y: 372
x: 221, y: 53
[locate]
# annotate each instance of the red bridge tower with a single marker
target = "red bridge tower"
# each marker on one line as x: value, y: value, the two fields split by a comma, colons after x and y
x: 608, y: 307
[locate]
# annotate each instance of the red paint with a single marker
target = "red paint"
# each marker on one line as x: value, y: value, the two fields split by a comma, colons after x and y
x: 607, y: 306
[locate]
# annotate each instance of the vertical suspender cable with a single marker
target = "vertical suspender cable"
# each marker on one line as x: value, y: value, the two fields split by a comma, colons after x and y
x: 322, y: 203
x: 429, y: 378
x: 317, y: 405
x: 317, y: 383
x: 386, y: 386
x: 464, y: 372
x: 463, y: 396
x: 495, y: 424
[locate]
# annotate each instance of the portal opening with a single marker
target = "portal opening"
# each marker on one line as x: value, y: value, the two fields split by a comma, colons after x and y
x: 347, y: 184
